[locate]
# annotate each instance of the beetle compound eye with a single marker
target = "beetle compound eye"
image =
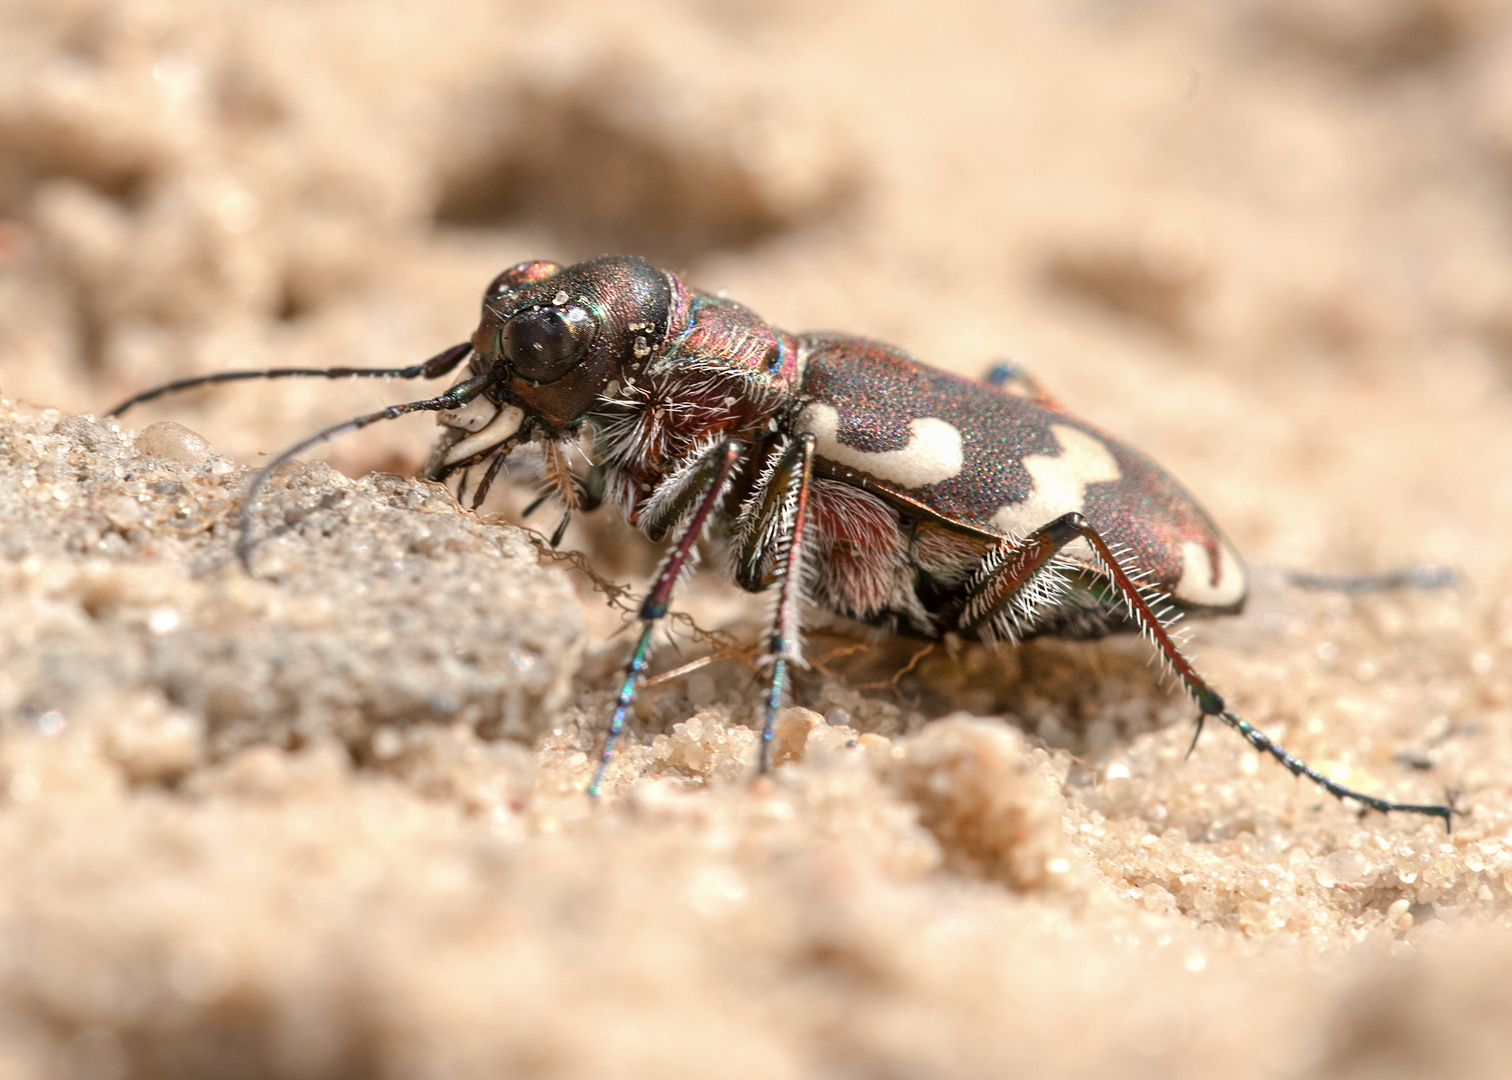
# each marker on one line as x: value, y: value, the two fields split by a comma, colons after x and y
x: 543, y: 344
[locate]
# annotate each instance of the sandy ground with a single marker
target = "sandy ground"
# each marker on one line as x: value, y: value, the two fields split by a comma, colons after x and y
x: 329, y: 821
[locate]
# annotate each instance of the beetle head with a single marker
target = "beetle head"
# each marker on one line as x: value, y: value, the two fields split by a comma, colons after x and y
x: 558, y: 335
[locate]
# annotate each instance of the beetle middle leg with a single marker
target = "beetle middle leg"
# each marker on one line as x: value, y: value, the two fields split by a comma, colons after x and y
x: 773, y: 523
x: 999, y: 594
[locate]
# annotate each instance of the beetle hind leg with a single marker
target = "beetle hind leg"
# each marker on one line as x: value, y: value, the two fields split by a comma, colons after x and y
x: 1020, y: 564
x: 1263, y: 743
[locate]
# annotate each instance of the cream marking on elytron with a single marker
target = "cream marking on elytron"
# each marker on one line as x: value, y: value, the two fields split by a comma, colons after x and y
x: 1060, y: 485
x: 932, y: 456
x: 1197, y: 585
x: 503, y: 424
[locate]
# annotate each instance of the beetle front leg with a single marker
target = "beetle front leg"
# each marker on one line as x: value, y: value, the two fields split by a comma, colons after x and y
x: 999, y: 588
x: 702, y: 486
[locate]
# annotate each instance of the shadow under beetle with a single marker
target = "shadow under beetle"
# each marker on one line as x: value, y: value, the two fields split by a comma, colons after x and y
x: 827, y: 467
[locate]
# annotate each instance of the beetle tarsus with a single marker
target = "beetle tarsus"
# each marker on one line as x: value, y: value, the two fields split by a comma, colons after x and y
x: 1263, y: 743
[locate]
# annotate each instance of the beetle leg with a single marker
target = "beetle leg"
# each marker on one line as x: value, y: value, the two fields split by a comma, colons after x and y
x: 1421, y: 576
x: 1030, y: 555
x: 705, y: 484
x: 761, y: 520
x: 1011, y: 377
x: 674, y: 498
x: 776, y: 518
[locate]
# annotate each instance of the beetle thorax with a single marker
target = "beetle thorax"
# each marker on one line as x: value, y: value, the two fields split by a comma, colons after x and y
x: 649, y: 428
x: 721, y: 372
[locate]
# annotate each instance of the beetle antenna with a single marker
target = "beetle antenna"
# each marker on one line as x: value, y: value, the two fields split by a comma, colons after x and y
x: 455, y: 398
x: 438, y: 365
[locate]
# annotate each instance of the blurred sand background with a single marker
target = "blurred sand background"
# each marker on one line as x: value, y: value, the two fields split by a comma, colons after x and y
x: 329, y: 822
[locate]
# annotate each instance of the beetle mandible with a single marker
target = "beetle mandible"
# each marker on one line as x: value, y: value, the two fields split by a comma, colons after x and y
x: 828, y: 467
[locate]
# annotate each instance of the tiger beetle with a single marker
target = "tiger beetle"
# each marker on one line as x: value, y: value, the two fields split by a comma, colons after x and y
x: 829, y: 468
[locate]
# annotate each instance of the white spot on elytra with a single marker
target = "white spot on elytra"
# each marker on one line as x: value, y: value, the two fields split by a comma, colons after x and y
x: 503, y: 425
x: 1197, y: 585
x: 1060, y: 484
x: 933, y: 453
